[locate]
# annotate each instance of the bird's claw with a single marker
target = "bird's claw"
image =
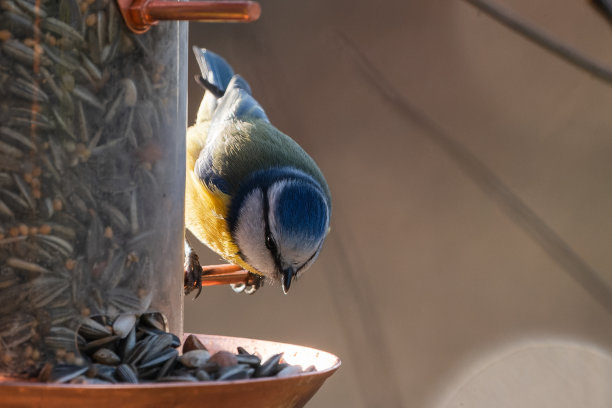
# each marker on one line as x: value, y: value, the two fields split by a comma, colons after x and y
x: 255, y: 282
x: 193, y: 274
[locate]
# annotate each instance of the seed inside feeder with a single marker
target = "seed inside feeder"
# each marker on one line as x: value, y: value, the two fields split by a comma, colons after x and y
x: 80, y: 226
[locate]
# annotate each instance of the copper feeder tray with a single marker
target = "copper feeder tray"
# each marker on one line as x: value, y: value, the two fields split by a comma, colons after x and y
x: 270, y: 392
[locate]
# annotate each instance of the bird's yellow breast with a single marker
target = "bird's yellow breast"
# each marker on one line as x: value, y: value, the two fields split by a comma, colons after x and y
x: 206, y: 210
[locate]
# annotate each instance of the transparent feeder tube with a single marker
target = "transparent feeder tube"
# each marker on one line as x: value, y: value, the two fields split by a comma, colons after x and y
x: 92, y: 147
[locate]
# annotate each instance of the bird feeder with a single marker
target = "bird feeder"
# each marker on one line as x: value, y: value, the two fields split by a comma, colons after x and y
x: 92, y: 149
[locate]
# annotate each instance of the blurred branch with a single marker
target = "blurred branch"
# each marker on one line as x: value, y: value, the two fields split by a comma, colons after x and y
x: 543, y: 39
x: 604, y: 7
x: 486, y: 180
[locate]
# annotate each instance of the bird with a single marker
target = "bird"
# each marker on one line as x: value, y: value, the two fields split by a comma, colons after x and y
x: 252, y: 194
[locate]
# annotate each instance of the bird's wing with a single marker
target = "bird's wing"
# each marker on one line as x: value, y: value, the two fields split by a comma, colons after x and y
x: 229, y: 131
x: 241, y: 141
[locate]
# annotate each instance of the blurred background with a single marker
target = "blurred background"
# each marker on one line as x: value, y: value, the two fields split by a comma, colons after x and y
x: 431, y: 290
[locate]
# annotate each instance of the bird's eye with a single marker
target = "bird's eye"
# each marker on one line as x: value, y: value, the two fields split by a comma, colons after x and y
x: 270, y: 244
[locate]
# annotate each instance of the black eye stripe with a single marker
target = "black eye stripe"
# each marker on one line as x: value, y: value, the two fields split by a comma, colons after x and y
x: 270, y: 244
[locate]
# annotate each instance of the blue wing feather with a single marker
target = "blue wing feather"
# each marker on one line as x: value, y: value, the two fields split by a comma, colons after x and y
x: 206, y: 172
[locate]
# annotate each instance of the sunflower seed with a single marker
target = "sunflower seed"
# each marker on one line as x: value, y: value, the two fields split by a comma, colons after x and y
x: 124, y: 324
x: 269, y: 367
x: 92, y: 330
x: 235, y: 373
x: 63, y: 373
x: 127, y: 374
x: 106, y: 356
x: 194, y: 358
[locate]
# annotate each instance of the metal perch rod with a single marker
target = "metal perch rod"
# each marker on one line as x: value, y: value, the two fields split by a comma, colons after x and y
x: 225, y: 275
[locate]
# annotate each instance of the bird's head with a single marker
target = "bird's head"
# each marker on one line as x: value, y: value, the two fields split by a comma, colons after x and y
x: 279, y: 220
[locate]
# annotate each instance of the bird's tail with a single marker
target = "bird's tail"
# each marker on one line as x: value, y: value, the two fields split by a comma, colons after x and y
x: 227, y: 94
x: 216, y: 73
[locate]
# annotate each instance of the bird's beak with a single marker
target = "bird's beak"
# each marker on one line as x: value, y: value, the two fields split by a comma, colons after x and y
x: 288, y: 275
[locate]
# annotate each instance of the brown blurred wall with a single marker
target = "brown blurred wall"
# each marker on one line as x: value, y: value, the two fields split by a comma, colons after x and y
x: 425, y: 280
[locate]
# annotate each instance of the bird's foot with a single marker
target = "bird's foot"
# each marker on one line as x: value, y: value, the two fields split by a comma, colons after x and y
x: 193, y: 273
x: 255, y: 282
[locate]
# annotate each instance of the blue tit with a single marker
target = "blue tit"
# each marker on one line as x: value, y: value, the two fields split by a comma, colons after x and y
x: 253, y: 195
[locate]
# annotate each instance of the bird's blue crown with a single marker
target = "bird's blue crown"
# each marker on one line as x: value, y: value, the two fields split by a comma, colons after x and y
x: 301, y: 209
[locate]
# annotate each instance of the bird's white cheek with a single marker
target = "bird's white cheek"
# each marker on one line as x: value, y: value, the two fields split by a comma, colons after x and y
x: 250, y: 234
